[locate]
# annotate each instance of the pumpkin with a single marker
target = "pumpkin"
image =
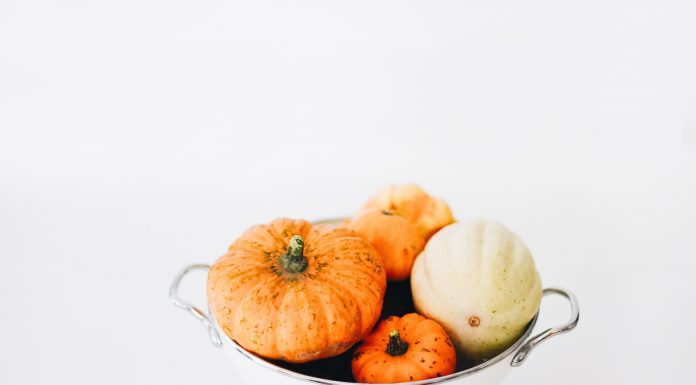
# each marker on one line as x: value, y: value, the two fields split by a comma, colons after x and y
x: 427, y: 213
x: 394, y: 237
x: 409, y: 348
x: 297, y: 292
x: 479, y: 281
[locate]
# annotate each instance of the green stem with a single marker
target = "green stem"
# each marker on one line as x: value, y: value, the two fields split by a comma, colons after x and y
x: 396, y: 346
x: 293, y: 261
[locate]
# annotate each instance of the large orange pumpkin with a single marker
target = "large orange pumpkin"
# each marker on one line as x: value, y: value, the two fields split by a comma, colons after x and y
x: 394, y: 237
x: 427, y: 213
x: 410, y: 348
x: 297, y: 292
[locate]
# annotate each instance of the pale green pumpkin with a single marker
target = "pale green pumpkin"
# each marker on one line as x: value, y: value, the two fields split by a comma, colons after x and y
x: 478, y: 280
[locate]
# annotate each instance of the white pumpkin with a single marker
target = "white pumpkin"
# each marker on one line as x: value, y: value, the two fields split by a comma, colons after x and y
x: 478, y: 280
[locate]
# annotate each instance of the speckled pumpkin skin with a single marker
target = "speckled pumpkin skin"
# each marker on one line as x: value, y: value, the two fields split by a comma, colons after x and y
x: 427, y: 213
x: 297, y: 317
x: 479, y: 281
x: 430, y: 352
x: 394, y: 237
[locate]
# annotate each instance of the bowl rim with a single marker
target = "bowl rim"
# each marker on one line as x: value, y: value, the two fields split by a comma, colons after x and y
x: 318, y: 380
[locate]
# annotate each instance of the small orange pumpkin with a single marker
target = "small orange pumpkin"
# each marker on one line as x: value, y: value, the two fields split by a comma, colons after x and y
x: 427, y: 213
x: 394, y: 237
x: 410, y: 348
x: 297, y: 292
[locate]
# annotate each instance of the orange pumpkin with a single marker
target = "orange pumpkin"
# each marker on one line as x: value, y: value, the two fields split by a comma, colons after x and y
x: 297, y: 292
x: 394, y: 237
x: 427, y: 213
x: 410, y: 348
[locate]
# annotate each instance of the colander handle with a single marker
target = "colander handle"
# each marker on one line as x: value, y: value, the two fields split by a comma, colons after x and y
x: 196, y: 312
x: 523, y: 352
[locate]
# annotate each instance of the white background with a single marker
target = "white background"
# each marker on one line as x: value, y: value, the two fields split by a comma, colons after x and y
x: 137, y: 137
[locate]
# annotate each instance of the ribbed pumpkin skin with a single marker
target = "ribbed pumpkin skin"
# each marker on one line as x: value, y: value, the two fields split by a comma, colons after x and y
x: 394, y: 237
x: 297, y: 317
x: 427, y: 213
x: 430, y: 352
x: 479, y: 281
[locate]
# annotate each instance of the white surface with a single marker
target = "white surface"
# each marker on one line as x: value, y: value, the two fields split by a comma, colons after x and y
x: 139, y: 136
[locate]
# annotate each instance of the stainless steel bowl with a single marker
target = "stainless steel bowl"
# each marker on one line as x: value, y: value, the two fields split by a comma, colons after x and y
x: 257, y: 370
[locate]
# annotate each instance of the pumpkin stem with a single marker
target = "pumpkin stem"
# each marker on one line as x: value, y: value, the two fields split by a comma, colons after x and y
x: 293, y: 260
x: 396, y: 346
